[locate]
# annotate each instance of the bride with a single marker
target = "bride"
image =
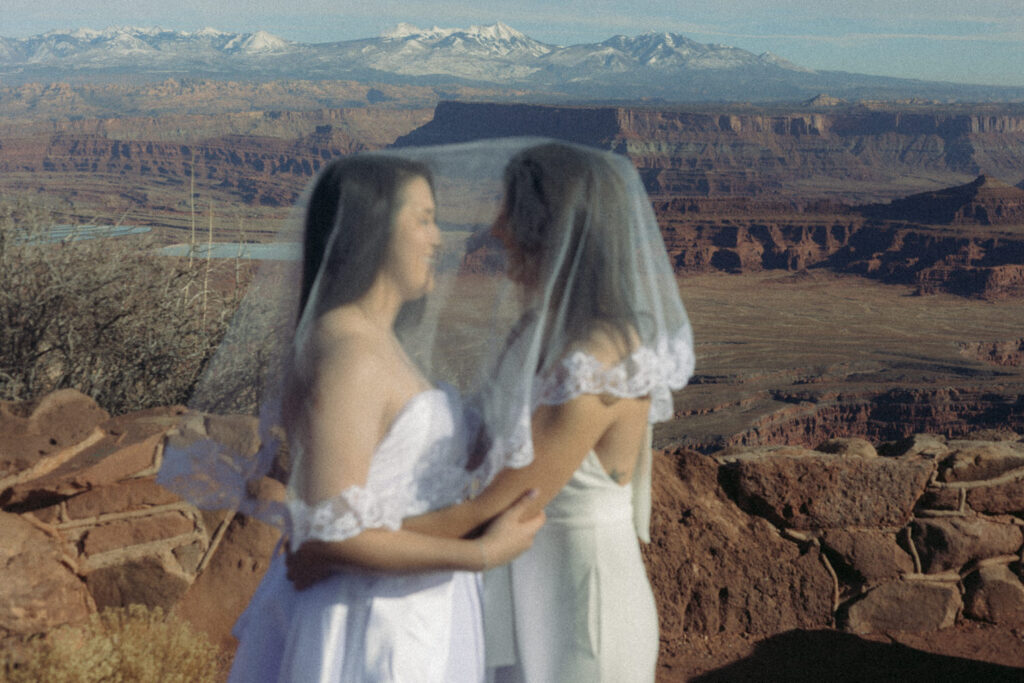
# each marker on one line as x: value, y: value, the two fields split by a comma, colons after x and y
x: 602, y: 341
x: 371, y: 442
x: 565, y: 370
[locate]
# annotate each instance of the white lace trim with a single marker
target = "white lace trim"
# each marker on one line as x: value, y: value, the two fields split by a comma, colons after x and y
x: 344, y: 516
x: 418, y: 466
x: 654, y: 371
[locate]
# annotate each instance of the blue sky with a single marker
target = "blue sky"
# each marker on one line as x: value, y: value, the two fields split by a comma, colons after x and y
x: 980, y: 41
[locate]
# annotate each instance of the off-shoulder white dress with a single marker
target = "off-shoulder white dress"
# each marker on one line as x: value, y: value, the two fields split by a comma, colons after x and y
x: 578, y: 606
x: 360, y: 626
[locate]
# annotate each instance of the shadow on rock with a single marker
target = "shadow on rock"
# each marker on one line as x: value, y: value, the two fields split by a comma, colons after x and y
x: 815, y: 656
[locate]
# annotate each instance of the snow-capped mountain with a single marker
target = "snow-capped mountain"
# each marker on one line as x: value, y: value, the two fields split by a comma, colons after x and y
x: 497, y: 39
x: 651, y: 65
x: 84, y: 51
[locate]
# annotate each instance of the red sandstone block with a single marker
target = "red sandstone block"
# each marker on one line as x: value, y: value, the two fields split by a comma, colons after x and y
x: 133, y: 494
x: 134, y: 531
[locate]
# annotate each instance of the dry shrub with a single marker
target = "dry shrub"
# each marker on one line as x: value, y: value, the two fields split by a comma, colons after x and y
x: 134, y: 644
x: 111, y: 317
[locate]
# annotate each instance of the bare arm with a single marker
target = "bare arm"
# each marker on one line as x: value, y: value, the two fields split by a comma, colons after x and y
x: 408, y: 551
x: 349, y: 409
x: 562, y: 436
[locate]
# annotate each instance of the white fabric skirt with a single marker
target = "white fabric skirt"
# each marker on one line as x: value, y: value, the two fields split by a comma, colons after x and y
x: 361, y: 628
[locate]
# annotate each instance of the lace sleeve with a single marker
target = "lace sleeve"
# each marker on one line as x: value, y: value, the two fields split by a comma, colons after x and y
x: 647, y: 371
x: 346, y: 515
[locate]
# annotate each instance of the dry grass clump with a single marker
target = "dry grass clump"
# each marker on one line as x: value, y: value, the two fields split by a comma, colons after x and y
x: 135, y: 644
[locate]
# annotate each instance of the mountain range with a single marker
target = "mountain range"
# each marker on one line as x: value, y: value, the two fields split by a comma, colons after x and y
x: 652, y: 66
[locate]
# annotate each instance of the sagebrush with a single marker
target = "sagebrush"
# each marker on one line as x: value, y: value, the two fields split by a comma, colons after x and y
x: 111, y: 317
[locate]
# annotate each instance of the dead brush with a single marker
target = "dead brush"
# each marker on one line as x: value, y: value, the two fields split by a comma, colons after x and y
x: 111, y: 317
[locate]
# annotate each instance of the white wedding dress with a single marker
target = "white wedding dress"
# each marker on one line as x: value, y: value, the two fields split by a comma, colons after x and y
x: 577, y: 606
x: 582, y: 606
x: 361, y: 626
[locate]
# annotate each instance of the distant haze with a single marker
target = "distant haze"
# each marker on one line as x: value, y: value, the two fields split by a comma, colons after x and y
x: 979, y: 42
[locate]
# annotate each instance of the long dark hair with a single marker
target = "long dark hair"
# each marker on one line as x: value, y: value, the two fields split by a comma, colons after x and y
x: 350, y: 212
x: 565, y: 208
x: 348, y: 229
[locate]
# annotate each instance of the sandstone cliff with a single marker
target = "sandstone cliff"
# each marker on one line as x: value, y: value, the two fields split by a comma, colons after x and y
x: 985, y: 201
x: 986, y: 263
x: 142, y: 169
x: 742, y: 152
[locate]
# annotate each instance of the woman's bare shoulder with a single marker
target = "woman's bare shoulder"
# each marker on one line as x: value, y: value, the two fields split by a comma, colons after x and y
x: 609, y: 344
x: 345, y: 348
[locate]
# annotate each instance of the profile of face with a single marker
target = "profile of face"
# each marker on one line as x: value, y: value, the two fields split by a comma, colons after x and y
x: 542, y: 187
x: 415, y: 239
x: 521, y: 269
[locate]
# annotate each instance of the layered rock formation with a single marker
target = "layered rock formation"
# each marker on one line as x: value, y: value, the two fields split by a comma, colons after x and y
x: 969, y: 255
x: 736, y: 151
x: 84, y: 525
x: 147, y: 166
x: 985, y: 201
x: 915, y: 535
x: 745, y: 191
x: 734, y: 188
x: 255, y: 170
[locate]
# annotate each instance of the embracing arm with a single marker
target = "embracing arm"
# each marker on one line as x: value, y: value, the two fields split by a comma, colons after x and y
x: 349, y: 409
x: 408, y: 551
x: 562, y: 436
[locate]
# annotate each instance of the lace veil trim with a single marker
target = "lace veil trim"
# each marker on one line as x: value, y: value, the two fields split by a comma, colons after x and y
x: 654, y: 371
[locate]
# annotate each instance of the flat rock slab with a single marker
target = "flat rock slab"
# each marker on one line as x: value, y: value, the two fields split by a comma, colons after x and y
x: 996, y: 595
x: 124, y: 533
x: 905, y: 606
x: 873, y: 556
x: 981, y: 460
x: 804, y: 489
x: 108, y: 461
x: 126, y: 496
x: 1005, y: 498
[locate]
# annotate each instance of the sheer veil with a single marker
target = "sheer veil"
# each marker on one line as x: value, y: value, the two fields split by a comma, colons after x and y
x: 581, y: 299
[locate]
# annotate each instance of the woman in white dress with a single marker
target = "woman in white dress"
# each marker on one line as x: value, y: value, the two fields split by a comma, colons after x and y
x: 591, y: 364
x: 370, y: 442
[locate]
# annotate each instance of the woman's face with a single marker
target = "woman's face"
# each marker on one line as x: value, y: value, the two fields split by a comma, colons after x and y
x: 415, y: 239
x: 520, y: 270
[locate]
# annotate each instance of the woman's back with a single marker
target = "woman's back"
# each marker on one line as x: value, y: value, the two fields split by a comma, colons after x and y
x: 583, y: 608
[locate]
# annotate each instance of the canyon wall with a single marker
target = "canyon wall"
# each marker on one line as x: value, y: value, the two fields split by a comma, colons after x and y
x: 244, y: 159
x: 967, y: 262
x: 745, y: 152
x: 261, y: 171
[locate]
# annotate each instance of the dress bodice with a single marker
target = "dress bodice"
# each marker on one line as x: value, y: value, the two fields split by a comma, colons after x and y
x: 590, y: 497
x: 419, y: 465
